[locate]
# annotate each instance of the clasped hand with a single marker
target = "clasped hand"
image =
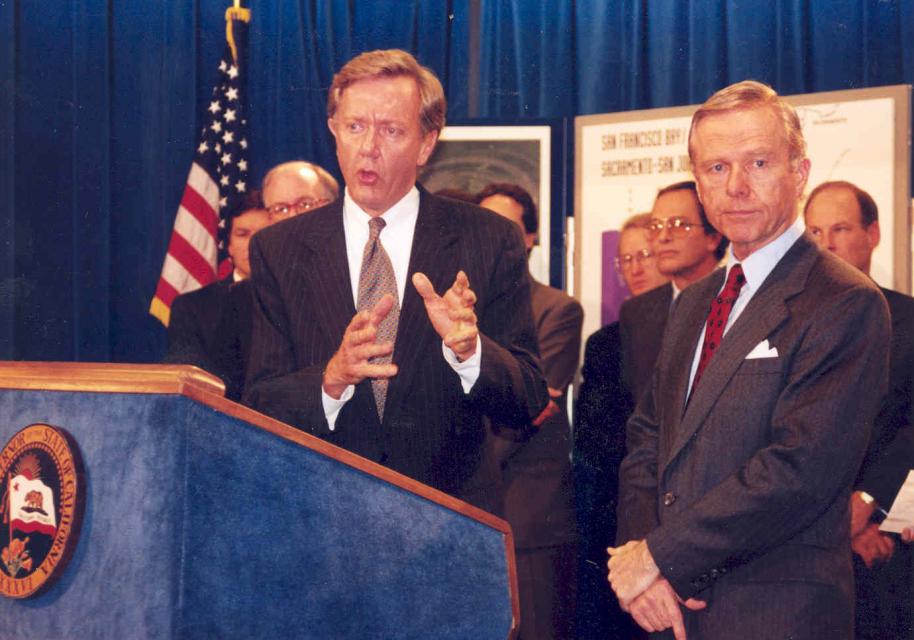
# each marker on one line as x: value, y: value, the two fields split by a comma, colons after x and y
x: 644, y: 593
x: 451, y: 315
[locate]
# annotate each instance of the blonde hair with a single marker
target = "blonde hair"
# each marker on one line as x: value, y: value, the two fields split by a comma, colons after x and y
x: 392, y: 63
x: 750, y: 94
x: 637, y: 221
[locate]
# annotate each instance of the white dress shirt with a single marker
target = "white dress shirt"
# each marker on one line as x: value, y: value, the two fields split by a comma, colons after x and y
x: 756, y: 269
x: 397, y: 239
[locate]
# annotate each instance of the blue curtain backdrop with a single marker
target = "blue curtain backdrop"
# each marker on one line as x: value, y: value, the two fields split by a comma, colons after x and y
x: 99, y: 102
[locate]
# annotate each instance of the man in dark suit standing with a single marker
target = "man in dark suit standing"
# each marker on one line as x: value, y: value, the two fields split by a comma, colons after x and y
x: 536, y: 462
x: 351, y: 340
x: 203, y: 329
x: 844, y: 219
x: 602, y: 408
x: 743, y: 451
x: 686, y: 248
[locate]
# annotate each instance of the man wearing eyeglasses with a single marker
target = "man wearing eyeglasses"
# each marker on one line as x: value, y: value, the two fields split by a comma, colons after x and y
x: 602, y: 408
x: 844, y: 219
x: 295, y: 187
x: 686, y: 248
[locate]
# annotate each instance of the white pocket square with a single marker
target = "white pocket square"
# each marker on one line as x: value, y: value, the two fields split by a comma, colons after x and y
x: 762, y: 350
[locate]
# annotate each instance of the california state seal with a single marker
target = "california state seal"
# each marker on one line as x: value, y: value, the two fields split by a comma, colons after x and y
x: 41, y: 487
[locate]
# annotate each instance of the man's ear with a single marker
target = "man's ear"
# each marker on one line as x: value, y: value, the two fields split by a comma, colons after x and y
x: 802, y: 171
x: 428, y: 145
x: 529, y: 241
x: 712, y: 241
x: 873, y: 235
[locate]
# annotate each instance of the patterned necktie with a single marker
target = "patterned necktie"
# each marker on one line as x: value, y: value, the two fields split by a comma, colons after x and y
x: 721, y: 307
x: 376, y: 279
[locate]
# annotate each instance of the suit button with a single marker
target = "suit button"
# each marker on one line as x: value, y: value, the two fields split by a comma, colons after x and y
x: 715, y: 574
x: 668, y: 499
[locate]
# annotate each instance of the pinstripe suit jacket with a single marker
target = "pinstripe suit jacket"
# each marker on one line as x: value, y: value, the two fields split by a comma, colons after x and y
x: 749, y: 481
x: 431, y: 431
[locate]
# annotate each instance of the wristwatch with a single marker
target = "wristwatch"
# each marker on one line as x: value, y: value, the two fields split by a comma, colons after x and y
x: 879, y: 513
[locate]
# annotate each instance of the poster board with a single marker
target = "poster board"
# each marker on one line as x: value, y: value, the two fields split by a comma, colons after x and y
x: 623, y: 159
x: 468, y: 157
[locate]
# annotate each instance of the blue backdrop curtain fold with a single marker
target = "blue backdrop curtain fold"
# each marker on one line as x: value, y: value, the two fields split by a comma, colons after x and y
x: 100, y: 104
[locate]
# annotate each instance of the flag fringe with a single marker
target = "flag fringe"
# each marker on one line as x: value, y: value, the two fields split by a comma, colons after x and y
x: 160, y: 310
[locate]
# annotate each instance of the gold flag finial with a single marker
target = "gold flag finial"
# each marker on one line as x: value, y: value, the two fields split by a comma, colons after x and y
x: 235, y: 13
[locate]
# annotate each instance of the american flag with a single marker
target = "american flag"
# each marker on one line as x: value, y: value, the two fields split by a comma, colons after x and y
x: 216, y: 184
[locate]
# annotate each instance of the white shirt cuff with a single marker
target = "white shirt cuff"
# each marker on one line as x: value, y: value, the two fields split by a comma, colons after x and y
x: 332, y: 406
x: 468, y: 370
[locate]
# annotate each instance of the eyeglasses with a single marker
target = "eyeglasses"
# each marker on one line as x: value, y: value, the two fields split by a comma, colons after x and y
x: 284, y: 209
x: 676, y: 225
x: 627, y: 261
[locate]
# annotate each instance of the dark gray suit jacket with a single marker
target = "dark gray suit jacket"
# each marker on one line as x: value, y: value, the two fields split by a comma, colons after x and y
x: 750, y: 480
x: 432, y: 431
x: 536, y: 463
x: 209, y: 328
x: 642, y: 320
x: 888, y: 457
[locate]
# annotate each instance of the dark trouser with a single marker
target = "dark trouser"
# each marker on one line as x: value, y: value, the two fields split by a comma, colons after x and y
x: 885, y: 598
x: 599, y: 616
x: 547, y: 581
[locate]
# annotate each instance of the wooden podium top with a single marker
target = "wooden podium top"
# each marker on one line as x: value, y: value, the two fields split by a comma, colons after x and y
x: 89, y: 376
x: 197, y: 384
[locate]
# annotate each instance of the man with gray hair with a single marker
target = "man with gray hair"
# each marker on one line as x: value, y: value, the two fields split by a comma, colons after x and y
x: 742, y: 453
x: 352, y: 341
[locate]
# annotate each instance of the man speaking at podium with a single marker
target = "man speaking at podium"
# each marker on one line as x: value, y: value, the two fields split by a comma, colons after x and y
x: 390, y: 322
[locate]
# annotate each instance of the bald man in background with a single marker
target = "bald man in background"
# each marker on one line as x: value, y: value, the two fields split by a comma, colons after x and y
x: 291, y: 188
x: 844, y: 219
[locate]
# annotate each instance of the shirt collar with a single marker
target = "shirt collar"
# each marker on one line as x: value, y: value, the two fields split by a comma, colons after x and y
x: 762, y: 262
x: 402, y: 213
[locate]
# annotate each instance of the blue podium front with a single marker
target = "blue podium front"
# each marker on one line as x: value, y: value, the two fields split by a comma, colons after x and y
x: 204, y: 519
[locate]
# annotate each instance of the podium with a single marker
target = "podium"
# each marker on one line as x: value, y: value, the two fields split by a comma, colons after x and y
x: 205, y: 519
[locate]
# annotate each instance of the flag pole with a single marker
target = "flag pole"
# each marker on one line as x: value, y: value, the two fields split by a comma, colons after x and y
x: 216, y: 182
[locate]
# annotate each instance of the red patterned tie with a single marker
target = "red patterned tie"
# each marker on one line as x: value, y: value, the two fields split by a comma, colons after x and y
x: 721, y: 307
x: 376, y: 279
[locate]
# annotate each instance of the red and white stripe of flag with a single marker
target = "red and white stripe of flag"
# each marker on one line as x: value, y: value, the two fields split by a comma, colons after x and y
x: 193, y: 249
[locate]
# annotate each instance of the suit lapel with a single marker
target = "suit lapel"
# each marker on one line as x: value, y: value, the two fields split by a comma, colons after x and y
x: 766, y: 311
x: 328, y: 274
x: 684, y: 331
x: 434, y: 253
